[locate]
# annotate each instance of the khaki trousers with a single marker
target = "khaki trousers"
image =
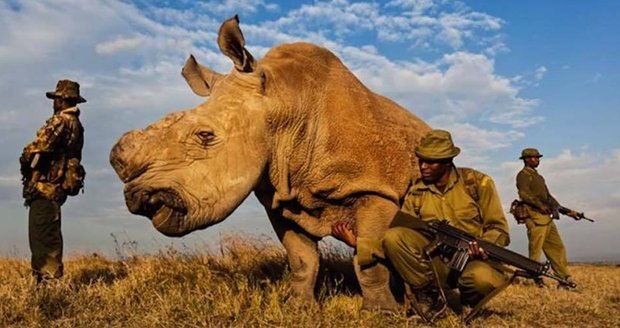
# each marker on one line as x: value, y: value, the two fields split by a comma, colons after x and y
x: 546, y: 238
x: 404, y: 247
x: 45, y: 239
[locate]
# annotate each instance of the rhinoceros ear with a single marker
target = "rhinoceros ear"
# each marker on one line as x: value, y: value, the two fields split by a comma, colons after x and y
x: 232, y: 44
x: 199, y: 78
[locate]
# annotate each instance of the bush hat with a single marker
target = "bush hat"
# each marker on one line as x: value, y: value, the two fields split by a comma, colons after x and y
x: 530, y: 152
x: 66, y: 89
x: 437, y: 145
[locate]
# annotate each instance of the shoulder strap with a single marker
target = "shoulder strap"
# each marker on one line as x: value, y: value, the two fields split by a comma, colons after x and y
x: 417, y: 201
x: 471, y: 181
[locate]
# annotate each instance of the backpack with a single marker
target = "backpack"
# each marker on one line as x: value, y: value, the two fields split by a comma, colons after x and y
x: 74, y: 172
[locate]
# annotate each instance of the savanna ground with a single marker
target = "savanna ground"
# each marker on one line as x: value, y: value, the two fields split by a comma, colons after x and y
x: 244, y: 284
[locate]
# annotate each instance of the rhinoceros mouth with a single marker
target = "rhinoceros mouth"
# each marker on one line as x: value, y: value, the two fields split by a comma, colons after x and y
x: 165, y: 208
x: 169, y: 221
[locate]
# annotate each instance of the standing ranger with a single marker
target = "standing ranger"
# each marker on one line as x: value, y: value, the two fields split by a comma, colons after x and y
x: 51, y: 170
x: 542, y: 233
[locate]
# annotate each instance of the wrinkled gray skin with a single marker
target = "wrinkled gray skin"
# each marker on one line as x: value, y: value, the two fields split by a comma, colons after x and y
x: 296, y: 128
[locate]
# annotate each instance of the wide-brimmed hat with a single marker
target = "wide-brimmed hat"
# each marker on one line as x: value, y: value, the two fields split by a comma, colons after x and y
x: 530, y: 152
x: 66, y: 89
x: 437, y: 145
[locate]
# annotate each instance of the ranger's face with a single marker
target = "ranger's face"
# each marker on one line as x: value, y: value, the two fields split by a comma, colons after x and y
x: 532, y: 161
x: 57, y: 104
x: 433, y: 171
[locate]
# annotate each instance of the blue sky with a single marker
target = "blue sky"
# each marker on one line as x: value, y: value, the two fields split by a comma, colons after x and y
x: 499, y: 75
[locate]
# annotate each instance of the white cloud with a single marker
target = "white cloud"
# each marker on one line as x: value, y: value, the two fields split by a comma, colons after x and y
x: 416, y: 6
x: 460, y: 86
x: 6, y: 117
x: 421, y: 22
x: 540, y: 73
x: 10, y: 180
x: 119, y: 44
x: 597, y: 77
x: 476, y: 140
x: 231, y: 7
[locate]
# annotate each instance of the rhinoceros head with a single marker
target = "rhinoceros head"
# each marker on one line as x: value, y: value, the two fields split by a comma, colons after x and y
x: 191, y: 169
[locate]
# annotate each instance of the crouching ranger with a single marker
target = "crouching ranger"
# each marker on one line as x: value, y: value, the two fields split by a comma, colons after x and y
x: 469, y: 200
x: 51, y: 170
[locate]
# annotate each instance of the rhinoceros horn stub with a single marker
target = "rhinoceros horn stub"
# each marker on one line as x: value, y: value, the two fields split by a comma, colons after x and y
x: 232, y: 44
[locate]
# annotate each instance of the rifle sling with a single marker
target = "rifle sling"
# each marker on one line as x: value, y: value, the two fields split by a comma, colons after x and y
x: 472, y: 314
x: 492, y: 294
x: 428, y: 317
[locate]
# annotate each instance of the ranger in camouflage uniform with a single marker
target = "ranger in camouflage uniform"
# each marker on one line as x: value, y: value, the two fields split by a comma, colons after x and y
x: 542, y: 233
x: 51, y: 170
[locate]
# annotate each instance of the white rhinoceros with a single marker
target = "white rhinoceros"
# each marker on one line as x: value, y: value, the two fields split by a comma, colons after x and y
x: 299, y: 130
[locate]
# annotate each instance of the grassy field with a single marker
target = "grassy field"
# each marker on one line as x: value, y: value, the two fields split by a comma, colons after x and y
x: 244, y: 284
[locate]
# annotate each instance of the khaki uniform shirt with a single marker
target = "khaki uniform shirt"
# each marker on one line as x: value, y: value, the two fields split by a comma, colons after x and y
x: 533, y: 189
x: 484, y: 219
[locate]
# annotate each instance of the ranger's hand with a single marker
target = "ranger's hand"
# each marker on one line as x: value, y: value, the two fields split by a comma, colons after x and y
x: 341, y: 231
x: 476, y: 252
x: 573, y: 214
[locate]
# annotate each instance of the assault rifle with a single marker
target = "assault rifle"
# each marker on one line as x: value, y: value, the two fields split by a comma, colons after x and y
x: 452, y: 244
x: 556, y: 210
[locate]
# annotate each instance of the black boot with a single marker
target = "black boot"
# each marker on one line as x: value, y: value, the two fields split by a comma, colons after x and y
x: 428, y: 302
x: 539, y: 282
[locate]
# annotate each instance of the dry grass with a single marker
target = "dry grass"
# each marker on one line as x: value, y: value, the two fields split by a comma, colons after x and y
x: 243, y: 284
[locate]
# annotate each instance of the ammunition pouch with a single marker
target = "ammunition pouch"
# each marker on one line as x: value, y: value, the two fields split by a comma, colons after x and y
x: 47, y: 190
x: 74, y: 175
x: 34, y: 190
x: 520, y: 211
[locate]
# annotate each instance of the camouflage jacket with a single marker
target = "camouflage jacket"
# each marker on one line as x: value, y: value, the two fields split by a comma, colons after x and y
x: 44, y: 160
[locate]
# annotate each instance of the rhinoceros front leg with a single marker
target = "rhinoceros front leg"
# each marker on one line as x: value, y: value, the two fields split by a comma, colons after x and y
x: 372, y: 220
x: 303, y: 256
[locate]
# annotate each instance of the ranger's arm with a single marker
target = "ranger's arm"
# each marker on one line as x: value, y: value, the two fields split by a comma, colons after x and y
x: 49, y: 136
x: 551, y: 201
x: 408, y: 204
x: 574, y: 214
x: 495, y: 226
x: 47, y: 140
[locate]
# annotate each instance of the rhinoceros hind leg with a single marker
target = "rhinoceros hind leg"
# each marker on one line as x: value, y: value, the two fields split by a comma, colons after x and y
x: 375, y: 288
x: 373, y: 219
x: 303, y: 256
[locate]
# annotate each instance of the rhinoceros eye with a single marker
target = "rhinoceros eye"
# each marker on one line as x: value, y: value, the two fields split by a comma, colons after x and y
x: 206, y: 137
